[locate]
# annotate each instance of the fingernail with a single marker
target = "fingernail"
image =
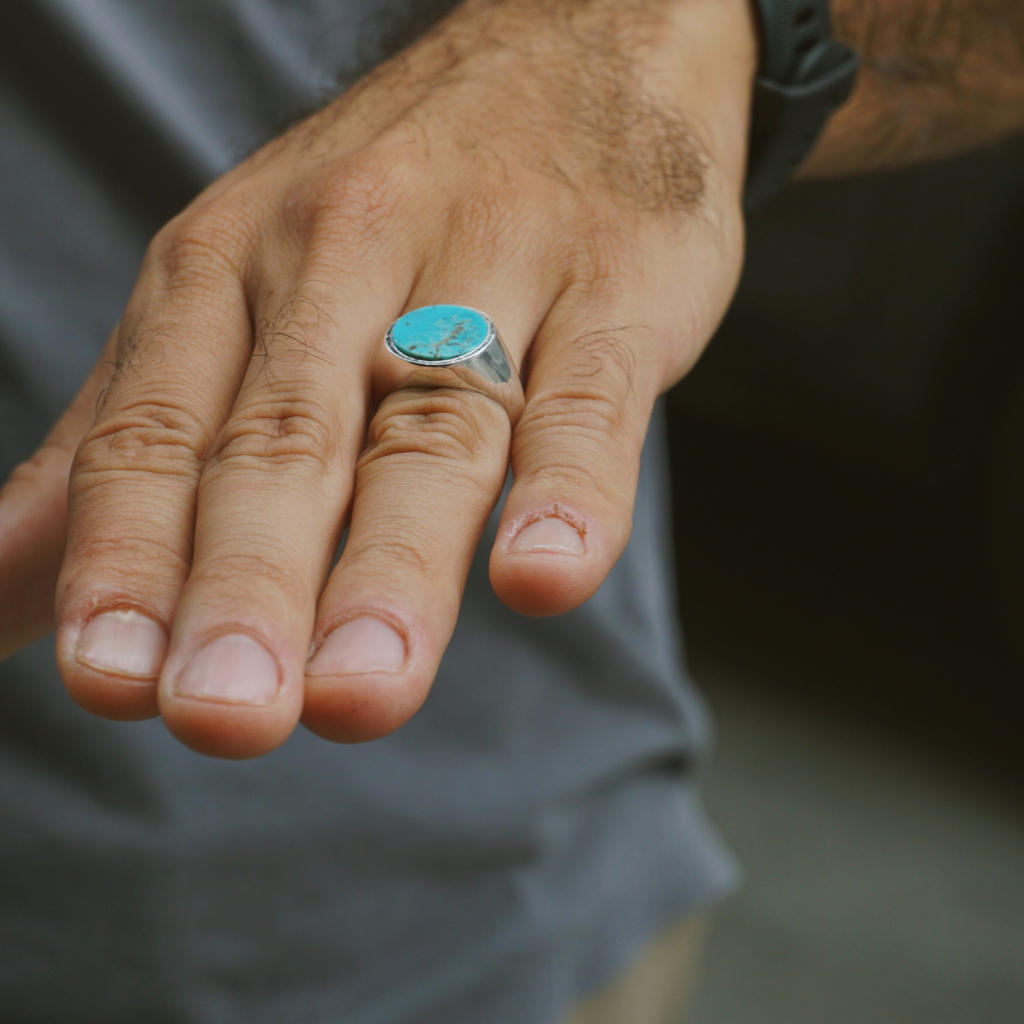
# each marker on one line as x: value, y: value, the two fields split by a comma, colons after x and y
x: 233, y: 668
x: 550, y: 534
x: 123, y: 643
x: 359, y: 646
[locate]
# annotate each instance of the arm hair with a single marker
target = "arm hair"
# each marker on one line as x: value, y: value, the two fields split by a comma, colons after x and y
x: 938, y: 77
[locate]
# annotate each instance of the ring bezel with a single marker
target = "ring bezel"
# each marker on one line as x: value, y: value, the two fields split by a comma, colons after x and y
x: 489, y: 339
x: 486, y: 368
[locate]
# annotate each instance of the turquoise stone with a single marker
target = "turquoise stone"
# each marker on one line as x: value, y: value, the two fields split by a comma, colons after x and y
x: 439, y: 332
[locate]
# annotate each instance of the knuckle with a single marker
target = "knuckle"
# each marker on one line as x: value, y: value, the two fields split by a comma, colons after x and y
x: 46, y: 462
x: 581, y: 472
x: 381, y: 554
x: 196, y: 245
x: 121, y: 551
x: 440, y: 423
x: 569, y: 436
x: 278, y: 431
x: 357, y: 201
x: 273, y: 566
x: 26, y: 474
x: 299, y: 330
x: 149, y: 437
x: 584, y: 406
x: 607, y: 257
x: 485, y: 222
x: 580, y: 468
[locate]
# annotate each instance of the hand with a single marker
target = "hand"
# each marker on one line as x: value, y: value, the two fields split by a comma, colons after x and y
x: 574, y: 170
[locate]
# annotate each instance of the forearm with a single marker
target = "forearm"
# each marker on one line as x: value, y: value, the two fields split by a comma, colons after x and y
x: 938, y: 77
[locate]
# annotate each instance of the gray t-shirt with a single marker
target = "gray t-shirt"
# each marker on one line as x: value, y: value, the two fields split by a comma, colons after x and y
x: 502, y: 854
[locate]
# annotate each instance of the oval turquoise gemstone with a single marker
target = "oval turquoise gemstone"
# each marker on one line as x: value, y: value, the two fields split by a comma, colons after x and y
x: 439, y: 332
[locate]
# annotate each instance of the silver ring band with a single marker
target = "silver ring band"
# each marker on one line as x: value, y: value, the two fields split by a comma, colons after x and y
x: 456, y: 347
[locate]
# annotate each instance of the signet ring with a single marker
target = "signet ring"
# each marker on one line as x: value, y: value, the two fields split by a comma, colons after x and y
x: 456, y: 347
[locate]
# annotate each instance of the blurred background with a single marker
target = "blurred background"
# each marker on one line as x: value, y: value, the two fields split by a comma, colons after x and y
x: 849, y: 503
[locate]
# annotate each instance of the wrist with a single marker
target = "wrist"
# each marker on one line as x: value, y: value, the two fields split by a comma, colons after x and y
x: 708, y: 61
x: 698, y: 57
x: 650, y: 101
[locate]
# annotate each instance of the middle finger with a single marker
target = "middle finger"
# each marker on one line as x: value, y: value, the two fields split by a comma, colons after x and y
x: 270, y: 505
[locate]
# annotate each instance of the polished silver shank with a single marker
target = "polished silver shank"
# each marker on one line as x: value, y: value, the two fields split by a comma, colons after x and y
x: 487, y: 369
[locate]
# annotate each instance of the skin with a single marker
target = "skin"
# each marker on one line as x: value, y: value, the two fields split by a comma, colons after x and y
x: 938, y: 77
x: 574, y: 168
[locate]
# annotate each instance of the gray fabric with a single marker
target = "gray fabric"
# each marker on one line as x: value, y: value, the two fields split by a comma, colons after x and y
x: 505, y: 852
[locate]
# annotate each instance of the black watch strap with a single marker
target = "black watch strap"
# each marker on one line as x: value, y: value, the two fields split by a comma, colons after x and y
x: 803, y: 75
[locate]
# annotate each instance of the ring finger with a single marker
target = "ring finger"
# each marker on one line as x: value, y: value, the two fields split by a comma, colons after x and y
x: 427, y: 481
